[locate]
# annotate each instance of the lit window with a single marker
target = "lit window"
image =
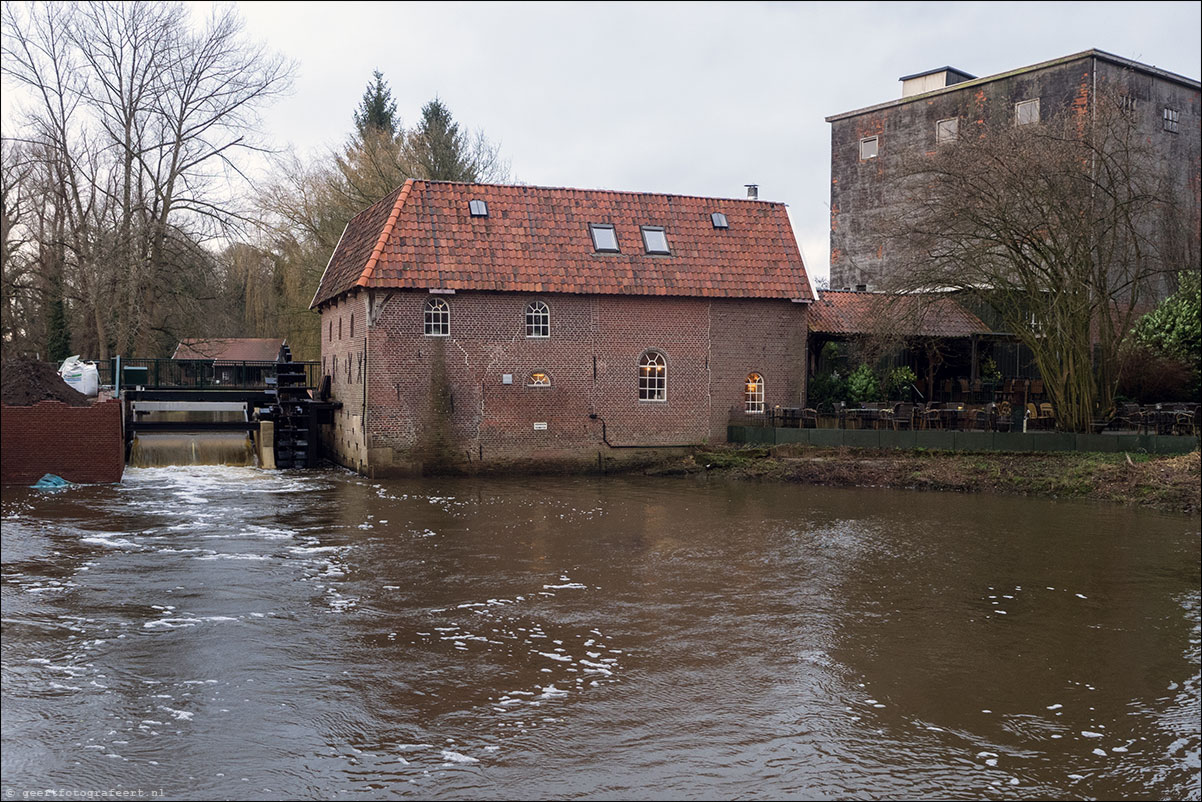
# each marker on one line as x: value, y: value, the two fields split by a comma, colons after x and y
x: 478, y: 208
x: 719, y: 220
x: 1026, y: 112
x: 947, y: 130
x: 437, y: 318
x: 1172, y: 118
x: 868, y: 148
x: 753, y: 394
x: 539, y: 379
x: 655, y: 240
x: 605, y: 239
x: 538, y: 320
x: 653, y: 377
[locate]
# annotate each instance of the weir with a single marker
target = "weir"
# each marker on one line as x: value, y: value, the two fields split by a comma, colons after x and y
x: 191, y: 433
x: 260, y: 414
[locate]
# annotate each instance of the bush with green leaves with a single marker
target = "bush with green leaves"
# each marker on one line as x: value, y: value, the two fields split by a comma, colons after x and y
x: 827, y: 390
x: 863, y: 385
x: 899, y: 382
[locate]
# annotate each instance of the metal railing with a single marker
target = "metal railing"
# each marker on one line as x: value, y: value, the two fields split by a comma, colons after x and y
x: 197, y: 373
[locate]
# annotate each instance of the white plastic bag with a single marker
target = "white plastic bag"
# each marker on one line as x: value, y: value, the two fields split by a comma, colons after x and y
x: 82, y: 376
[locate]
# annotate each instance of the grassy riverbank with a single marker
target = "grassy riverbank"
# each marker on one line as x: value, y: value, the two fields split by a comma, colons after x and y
x: 1166, y: 483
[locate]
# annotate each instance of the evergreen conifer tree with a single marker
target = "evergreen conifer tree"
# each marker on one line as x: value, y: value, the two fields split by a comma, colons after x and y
x: 377, y: 110
x: 438, y: 149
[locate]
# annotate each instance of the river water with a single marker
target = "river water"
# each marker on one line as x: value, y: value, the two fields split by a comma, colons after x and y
x: 212, y: 632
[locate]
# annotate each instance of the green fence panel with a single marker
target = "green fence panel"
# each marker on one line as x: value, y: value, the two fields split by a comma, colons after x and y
x: 862, y: 438
x: 903, y: 439
x: 937, y: 440
x: 974, y: 441
x: 829, y: 438
x: 793, y: 436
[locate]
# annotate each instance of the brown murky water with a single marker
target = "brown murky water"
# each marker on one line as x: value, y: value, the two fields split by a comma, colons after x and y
x: 227, y: 633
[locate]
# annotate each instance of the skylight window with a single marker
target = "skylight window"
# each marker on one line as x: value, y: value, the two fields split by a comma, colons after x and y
x: 605, y: 239
x: 478, y: 208
x: 719, y: 220
x: 655, y: 240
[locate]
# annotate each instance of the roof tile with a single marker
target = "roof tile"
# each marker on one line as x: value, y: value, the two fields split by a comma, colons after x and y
x: 421, y: 235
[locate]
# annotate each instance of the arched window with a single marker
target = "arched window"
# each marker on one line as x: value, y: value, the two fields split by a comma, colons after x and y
x: 331, y: 338
x: 753, y: 394
x: 437, y: 318
x: 539, y: 379
x: 653, y: 377
x: 538, y: 320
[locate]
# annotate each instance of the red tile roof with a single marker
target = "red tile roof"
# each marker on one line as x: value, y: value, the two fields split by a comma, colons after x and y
x: 536, y: 239
x: 229, y: 349
x: 842, y: 312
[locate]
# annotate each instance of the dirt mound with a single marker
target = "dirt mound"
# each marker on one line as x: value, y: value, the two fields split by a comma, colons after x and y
x: 24, y: 382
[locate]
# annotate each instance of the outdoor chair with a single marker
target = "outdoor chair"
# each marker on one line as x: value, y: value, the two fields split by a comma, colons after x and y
x: 979, y: 420
x: 932, y: 418
x: 903, y: 417
x: 809, y: 418
x: 1048, y: 414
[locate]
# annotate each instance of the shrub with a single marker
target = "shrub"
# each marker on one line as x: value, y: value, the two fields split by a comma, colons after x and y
x: 862, y: 385
x: 899, y: 382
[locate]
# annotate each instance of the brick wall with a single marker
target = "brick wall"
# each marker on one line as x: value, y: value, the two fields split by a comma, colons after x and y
x: 80, y: 444
x: 443, y: 400
x: 344, y: 333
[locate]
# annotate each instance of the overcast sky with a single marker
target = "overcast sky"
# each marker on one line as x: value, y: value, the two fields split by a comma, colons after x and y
x: 682, y: 98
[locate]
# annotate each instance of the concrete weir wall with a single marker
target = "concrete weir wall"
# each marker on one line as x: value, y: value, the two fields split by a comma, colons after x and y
x: 80, y: 444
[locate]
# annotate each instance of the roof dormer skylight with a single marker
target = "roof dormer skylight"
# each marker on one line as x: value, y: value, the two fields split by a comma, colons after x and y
x: 605, y: 239
x: 719, y: 220
x: 478, y: 208
x: 655, y: 240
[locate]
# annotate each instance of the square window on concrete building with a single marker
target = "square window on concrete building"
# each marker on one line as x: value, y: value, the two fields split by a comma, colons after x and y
x: 868, y: 148
x: 947, y: 130
x: 1026, y: 112
x: 1172, y: 119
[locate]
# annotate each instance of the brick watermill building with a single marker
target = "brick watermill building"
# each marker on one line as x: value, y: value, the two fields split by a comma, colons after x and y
x: 468, y: 324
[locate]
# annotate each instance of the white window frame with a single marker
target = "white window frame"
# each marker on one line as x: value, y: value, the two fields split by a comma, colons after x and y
x: 534, y: 379
x: 753, y: 394
x: 436, y: 318
x: 1021, y: 109
x: 876, y: 148
x: 538, y: 320
x: 945, y: 133
x: 653, y: 377
x: 1171, y: 120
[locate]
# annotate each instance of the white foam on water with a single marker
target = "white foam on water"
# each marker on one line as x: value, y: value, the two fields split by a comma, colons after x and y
x: 1080, y: 596
x: 1100, y: 752
x: 456, y: 757
x: 560, y: 657
x: 566, y: 586
x: 1055, y: 707
x: 225, y: 556
x: 1089, y: 734
x: 112, y: 542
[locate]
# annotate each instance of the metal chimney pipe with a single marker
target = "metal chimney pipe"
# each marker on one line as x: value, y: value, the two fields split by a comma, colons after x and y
x: 753, y: 191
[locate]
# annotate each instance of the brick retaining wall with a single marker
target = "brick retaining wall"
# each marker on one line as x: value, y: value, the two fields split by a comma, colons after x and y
x: 80, y: 444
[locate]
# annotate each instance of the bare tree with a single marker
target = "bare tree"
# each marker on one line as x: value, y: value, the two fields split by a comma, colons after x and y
x: 1060, y: 229
x: 142, y: 120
